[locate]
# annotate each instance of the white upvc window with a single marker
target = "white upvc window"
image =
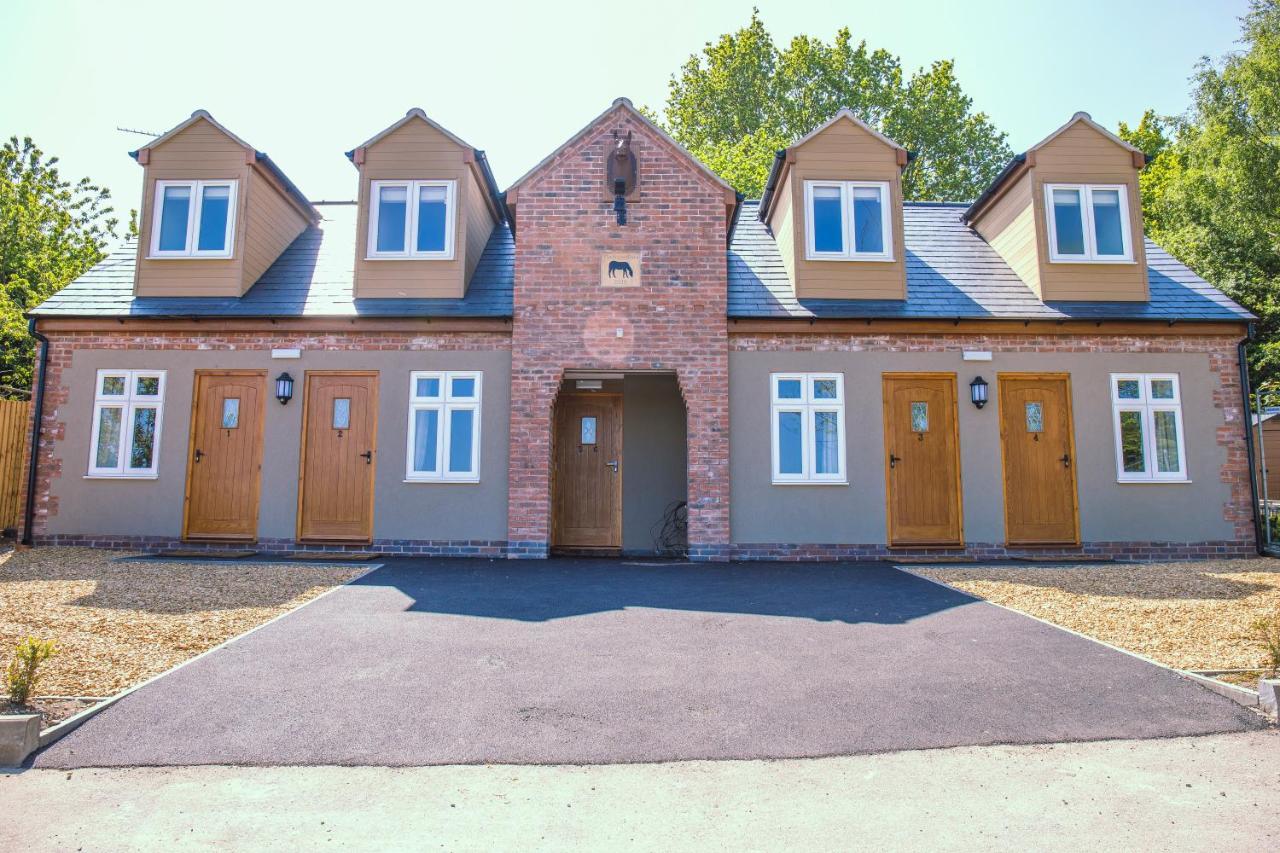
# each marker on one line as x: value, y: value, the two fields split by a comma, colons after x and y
x: 807, y: 426
x: 848, y: 221
x: 127, y: 409
x: 193, y: 219
x: 411, y: 220
x: 444, y: 427
x: 1147, y: 418
x: 1088, y: 223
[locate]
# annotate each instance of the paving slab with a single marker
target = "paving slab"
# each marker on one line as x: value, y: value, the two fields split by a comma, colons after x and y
x: 426, y: 662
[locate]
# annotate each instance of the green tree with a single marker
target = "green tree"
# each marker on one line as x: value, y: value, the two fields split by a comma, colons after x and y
x: 742, y: 99
x: 51, y: 231
x: 1211, y: 195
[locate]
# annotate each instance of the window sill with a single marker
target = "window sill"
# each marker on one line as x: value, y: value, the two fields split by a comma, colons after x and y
x: 1155, y: 482
x: 217, y: 257
x: 1116, y: 262
x: 872, y: 259
x: 121, y: 477
x: 448, y: 257
x: 810, y: 482
x: 435, y: 481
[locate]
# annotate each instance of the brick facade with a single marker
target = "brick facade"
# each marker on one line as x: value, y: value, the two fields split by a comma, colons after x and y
x: 674, y: 321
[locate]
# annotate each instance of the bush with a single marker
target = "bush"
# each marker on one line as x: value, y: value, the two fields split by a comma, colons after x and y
x: 24, y: 667
x: 1268, y: 631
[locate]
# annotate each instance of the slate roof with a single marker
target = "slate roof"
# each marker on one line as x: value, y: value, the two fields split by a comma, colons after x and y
x: 953, y: 273
x: 312, y: 278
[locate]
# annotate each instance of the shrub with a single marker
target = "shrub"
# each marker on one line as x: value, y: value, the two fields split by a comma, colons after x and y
x: 24, y: 667
x: 1268, y: 631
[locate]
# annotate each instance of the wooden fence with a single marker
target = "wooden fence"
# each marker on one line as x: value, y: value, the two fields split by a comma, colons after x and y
x: 13, y: 433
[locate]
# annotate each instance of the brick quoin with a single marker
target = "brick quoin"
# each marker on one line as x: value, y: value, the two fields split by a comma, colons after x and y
x: 675, y: 321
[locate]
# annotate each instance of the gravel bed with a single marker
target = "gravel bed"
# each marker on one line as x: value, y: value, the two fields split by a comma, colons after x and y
x: 1187, y: 615
x: 117, y: 622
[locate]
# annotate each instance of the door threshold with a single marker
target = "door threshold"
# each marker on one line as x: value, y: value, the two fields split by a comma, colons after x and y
x: 585, y: 551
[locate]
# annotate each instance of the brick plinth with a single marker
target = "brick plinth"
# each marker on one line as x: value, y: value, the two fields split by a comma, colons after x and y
x: 674, y: 321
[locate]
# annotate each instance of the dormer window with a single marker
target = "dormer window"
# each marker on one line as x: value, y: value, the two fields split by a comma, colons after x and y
x: 193, y: 219
x: 1088, y: 223
x: 848, y: 221
x: 411, y: 220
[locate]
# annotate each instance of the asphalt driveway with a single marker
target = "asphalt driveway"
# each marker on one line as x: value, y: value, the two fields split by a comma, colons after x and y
x: 593, y: 661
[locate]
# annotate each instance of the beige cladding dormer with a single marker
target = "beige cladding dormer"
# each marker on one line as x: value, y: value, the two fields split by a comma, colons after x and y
x: 215, y: 170
x: 841, y: 158
x: 422, y: 158
x: 1013, y: 216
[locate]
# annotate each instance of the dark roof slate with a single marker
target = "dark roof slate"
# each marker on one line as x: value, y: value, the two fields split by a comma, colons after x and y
x: 952, y: 273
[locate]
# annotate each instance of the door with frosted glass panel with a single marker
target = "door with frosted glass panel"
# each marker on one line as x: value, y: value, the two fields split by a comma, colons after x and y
x: 922, y: 459
x: 1037, y: 447
x: 224, y: 460
x: 339, y: 434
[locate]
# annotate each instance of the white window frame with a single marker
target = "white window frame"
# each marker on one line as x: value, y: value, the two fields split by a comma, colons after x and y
x: 1090, y: 255
x: 1148, y: 406
x: 411, y: 221
x: 445, y: 404
x: 191, y: 250
x: 846, y: 220
x: 128, y: 402
x: 808, y: 407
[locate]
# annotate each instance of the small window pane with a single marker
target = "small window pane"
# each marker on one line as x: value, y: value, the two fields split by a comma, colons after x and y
x: 113, y: 386
x: 790, y: 389
x: 1035, y: 417
x: 431, y: 219
x: 342, y: 413
x: 1132, y: 455
x: 1106, y: 222
x: 462, y: 387
x: 426, y: 386
x: 826, y: 443
x: 176, y: 207
x: 461, y: 438
x: 1068, y: 224
x: 868, y: 222
x: 1162, y: 389
x: 588, y: 430
x: 828, y: 224
x: 147, y: 386
x: 919, y: 417
x: 230, y: 413
x: 107, y: 454
x: 1129, y: 389
x: 215, y: 207
x: 825, y: 389
x: 426, y: 438
x: 1166, y: 428
x: 790, y: 443
x: 393, y: 207
x: 144, y: 438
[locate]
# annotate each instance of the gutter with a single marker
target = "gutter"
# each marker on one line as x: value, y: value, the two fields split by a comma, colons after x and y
x: 29, y: 512
x: 971, y: 212
x: 1242, y: 355
x: 771, y: 184
x: 733, y: 220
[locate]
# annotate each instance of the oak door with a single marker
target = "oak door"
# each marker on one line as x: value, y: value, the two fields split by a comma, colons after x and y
x: 588, y: 476
x: 339, y: 446
x: 922, y: 459
x: 224, y: 458
x: 1037, y: 448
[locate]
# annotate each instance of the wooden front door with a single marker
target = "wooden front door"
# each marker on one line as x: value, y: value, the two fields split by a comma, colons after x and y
x: 587, y: 504
x: 339, y: 447
x: 922, y: 459
x: 224, y: 457
x: 1038, y: 452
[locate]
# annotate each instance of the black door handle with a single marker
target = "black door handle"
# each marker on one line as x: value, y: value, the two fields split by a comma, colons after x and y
x: 1066, y: 460
x: 368, y: 457
x: 893, y: 460
x: 199, y: 455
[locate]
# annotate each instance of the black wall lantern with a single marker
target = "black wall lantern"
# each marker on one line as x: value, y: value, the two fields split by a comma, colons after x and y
x: 284, y: 388
x: 978, y: 391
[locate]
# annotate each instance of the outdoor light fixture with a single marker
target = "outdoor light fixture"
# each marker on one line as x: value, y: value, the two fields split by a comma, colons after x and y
x: 284, y: 388
x: 978, y: 391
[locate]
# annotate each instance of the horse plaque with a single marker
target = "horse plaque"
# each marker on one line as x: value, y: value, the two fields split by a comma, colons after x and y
x: 620, y: 269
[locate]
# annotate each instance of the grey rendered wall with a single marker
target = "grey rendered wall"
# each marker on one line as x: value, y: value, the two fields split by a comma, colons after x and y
x: 424, y: 511
x: 855, y: 514
x: 654, y: 456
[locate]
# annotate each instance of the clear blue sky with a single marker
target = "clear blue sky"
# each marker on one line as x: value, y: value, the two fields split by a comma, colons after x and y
x: 517, y: 78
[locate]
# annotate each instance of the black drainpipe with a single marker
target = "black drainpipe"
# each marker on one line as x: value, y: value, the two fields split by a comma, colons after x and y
x: 1242, y: 354
x: 38, y: 417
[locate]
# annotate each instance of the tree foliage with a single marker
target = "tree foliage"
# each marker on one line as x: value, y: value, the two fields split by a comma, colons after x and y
x: 51, y: 231
x: 1211, y: 195
x: 742, y: 99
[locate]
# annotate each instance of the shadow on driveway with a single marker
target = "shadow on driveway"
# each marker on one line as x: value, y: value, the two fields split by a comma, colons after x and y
x: 594, y: 661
